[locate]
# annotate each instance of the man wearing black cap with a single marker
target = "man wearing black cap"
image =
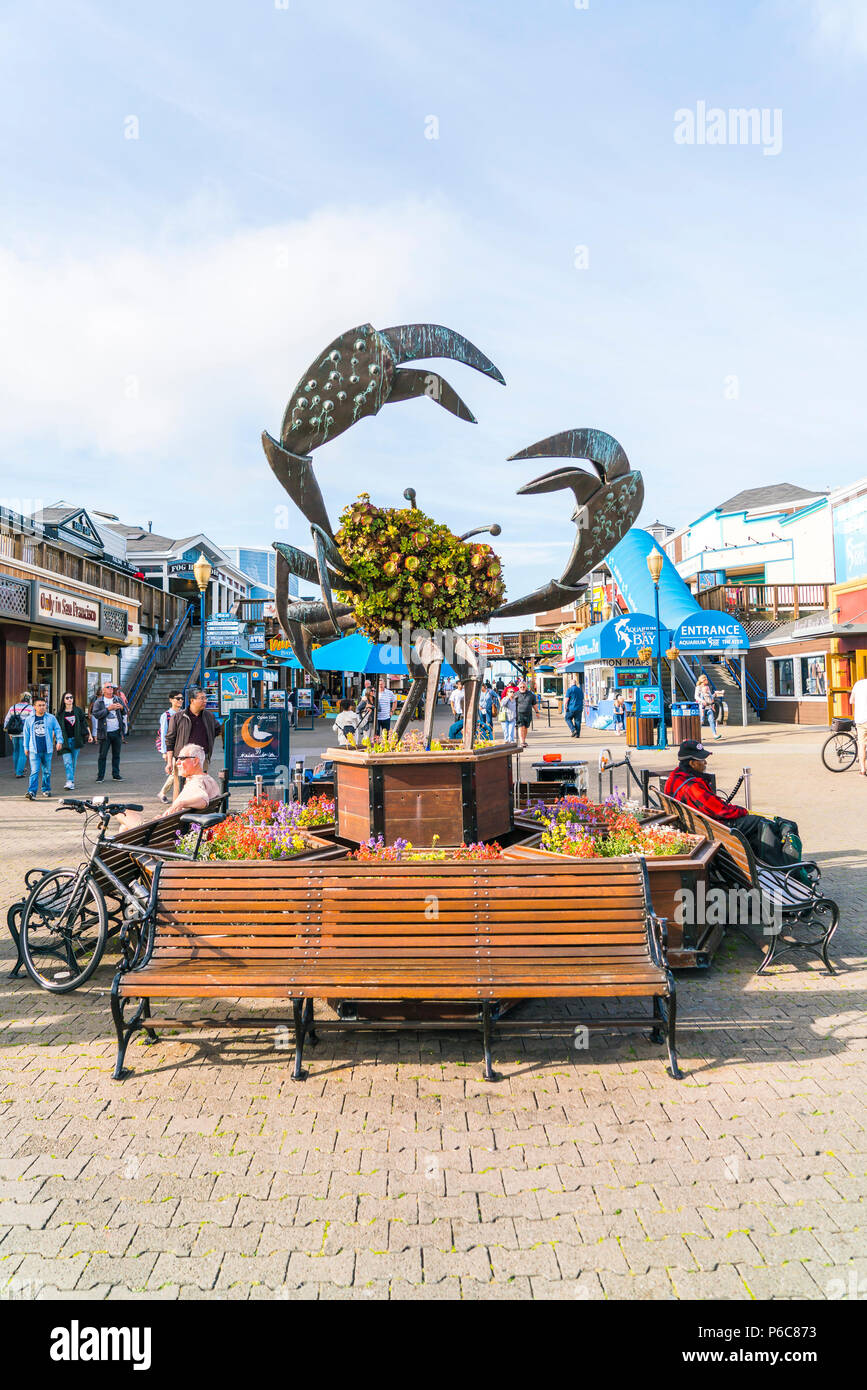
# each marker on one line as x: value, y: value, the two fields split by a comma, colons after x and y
x: 689, y: 782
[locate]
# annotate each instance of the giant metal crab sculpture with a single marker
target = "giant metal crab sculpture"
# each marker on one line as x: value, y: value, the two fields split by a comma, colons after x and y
x: 353, y: 377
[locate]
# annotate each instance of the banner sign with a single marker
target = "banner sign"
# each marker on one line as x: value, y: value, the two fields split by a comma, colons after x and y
x: 257, y: 745
x: 648, y: 702
x: 211, y: 687
x: 66, y: 610
x: 234, y: 690
x: 222, y: 630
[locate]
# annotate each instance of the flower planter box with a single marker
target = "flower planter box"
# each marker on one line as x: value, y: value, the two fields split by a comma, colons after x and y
x: 689, y: 945
x: 459, y: 797
x: 318, y: 847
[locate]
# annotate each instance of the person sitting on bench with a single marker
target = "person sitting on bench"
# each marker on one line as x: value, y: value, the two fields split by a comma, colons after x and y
x: 774, y: 842
x: 198, y: 791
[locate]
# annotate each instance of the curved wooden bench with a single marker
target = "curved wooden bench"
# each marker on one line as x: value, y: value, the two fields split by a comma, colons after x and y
x: 439, y: 931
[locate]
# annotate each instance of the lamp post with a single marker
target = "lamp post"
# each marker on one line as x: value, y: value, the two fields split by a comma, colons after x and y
x: 654, y: 564
x: 202, y: 572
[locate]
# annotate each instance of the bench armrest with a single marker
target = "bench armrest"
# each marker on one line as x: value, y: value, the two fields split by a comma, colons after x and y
x: 786, y: 870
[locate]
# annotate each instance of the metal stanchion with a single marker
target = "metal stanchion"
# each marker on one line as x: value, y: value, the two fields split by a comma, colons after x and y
x: 745, y: 771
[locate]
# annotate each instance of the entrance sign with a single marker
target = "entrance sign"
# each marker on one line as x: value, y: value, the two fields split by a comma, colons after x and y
x: 257, y: 746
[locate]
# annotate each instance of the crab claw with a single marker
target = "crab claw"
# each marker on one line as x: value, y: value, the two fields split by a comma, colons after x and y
x: 409, y: 341
x: 296, y: 475
x: 599, y: 448
x: 359, y: 372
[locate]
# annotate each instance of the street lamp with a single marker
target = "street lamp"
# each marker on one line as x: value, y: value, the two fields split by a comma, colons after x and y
x: 202, y: 573
x: 654, y: 564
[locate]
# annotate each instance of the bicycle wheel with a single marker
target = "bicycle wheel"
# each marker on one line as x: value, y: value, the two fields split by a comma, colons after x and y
x: 63, y: 931
x: 839, y: 752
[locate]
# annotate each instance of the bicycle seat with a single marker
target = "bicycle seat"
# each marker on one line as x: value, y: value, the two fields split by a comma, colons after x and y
x: 203, y: 818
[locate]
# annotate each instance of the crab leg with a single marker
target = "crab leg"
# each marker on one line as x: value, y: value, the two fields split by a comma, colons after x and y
x: 410, y: 705
x: 327, y: 550
x: 542, y: 600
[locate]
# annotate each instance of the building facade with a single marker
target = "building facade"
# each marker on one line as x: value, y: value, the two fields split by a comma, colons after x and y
x: 71, y: 605
x: 169, y: 564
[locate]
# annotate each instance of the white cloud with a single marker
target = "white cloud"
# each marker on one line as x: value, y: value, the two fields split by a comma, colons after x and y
x: 133, y: 353
x: 839, y: 24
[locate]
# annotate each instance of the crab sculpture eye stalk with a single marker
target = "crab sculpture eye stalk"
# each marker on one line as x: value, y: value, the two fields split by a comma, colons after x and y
x: 607, y: 503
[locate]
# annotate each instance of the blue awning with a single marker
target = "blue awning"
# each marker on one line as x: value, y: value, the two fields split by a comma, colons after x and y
x: 616, y: 638
x: 695, y: 629
x: 356, y: 654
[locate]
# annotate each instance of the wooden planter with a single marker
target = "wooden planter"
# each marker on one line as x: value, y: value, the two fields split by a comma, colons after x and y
x: 457, y: 796
x: 688, y: 945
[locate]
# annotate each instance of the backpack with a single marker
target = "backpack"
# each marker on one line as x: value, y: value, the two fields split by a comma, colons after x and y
x: 15, y: 725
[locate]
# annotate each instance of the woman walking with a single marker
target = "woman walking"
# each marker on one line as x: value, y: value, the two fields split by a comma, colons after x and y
x: 705, y: 695
x: 14, y: 726
x: 74, y: 733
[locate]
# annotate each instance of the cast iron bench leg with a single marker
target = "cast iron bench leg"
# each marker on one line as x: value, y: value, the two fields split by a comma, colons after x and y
x: 308, y: 1023
x: 13, y: 918
x: 124, y: 1030
x: 298, y: 1073
x: 152, y: 1035
x: 656, y: 1034
x: 673, y: 1069
x: 490, y: 1074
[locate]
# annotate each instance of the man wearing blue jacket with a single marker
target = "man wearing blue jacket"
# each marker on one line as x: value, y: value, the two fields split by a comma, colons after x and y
x: 574, y: 708
x: 41, y: 736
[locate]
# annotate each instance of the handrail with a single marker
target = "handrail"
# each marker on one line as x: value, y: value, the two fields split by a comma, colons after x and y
x: 161, y: 654
x: 756, y: 696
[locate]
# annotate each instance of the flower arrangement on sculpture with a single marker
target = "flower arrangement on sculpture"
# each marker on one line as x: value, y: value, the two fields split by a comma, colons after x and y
x: 401, y: 565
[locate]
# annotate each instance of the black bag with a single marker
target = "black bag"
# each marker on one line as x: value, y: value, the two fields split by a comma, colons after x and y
x: 15, y: 725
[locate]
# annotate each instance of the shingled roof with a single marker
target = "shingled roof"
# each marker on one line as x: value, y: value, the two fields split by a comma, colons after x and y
x: 775, y: 495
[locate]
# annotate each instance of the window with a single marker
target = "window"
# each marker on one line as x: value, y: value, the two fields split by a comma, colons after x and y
x: 797, y: 677
x: 782, y: 682
x: 813, y: 684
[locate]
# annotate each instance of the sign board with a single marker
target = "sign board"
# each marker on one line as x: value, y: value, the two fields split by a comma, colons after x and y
x: 710, y: 579
x: 648, y: 702
x: 211, y: 687
x: 304, y: 697
x: 180, y: 567
x: 278, y: 644
x: 62, y: 609
x: 550, y: 645
x: 277, y: 699
x: 234, y: 690
x: 257, y: 745
x: 627, y: 677
x: 222, y: 630
x: 849, y: 523
x: 484, y: 646
x: 256, y: 638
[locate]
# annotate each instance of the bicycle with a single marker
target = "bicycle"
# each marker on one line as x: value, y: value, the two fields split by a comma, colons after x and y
x: 64, y: 920
x: 840, y: 749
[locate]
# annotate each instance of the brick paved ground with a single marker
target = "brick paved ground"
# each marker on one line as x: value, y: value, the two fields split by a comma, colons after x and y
x: 395, y: 1172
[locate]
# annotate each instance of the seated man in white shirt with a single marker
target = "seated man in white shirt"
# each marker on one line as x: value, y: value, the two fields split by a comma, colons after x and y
x: 199, y: 788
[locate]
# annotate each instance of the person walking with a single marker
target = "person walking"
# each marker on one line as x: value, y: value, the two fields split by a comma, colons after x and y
x: 41, y: 736
x: 176, y: 700
x: 525, y: 704
x: 346, y: 723
x: 109, y: 715
x: 386, y: 701
x: 489, y: 708
x: 456, y: 700
x: 509, y: 713
x: 196, y: 725
x: 14, y: 726
x: 704, y: 695
x: 76, y: 733
x: 858, y: 706
x: 574, y: 708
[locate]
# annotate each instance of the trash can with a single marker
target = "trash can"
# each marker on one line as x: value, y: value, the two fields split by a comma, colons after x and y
x: 640, y: 732
x: 685, y: 722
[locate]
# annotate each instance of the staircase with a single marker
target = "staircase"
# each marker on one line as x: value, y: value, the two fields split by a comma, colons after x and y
x: 147, y: 717
x: 720, y: 679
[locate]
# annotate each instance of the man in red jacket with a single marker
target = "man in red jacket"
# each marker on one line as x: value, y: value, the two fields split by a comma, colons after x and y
x: 689, y: 782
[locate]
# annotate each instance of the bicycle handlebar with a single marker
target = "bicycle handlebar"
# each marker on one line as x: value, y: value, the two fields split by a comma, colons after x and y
x: 100, y: 804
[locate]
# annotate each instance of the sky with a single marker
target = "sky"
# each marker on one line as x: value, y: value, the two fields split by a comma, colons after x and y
x: 198, y: 197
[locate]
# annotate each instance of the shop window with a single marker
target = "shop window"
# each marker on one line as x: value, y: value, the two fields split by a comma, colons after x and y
x: 782, y: 681
x: 812, y: 672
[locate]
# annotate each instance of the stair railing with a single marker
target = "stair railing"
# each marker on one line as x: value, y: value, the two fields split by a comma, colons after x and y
x: 162, y: 654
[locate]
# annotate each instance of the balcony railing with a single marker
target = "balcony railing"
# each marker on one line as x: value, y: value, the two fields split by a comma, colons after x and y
x: 779, y: 602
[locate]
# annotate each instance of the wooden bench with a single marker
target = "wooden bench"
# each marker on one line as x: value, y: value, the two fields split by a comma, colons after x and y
x: 788, y: 900
x: 443, y: 931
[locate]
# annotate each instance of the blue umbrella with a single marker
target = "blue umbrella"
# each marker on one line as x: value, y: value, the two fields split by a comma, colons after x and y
x: 355, y: 653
